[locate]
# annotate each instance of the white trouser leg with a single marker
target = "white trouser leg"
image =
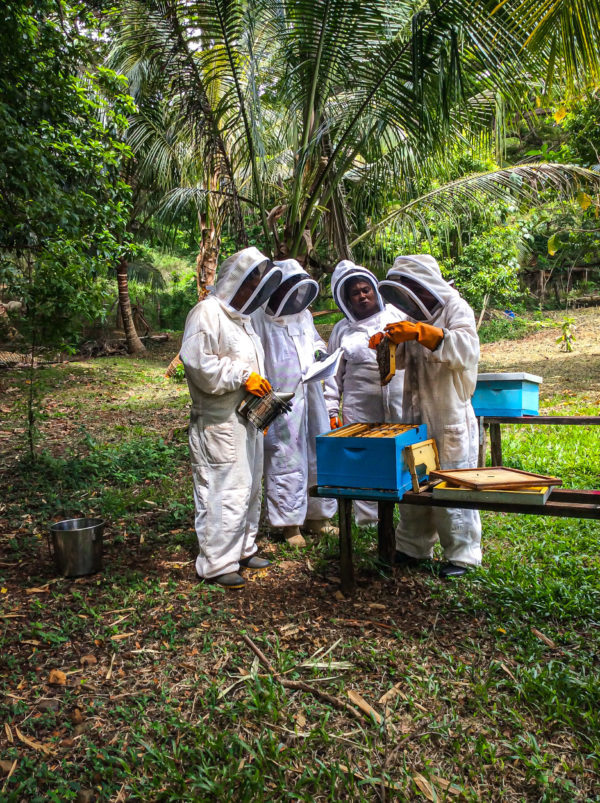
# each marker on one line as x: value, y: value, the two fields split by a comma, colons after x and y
x: 460, y: 535
x: 255, y: 459
x: 416, y: 533
x: 366, y: 513
x: 223, y: 483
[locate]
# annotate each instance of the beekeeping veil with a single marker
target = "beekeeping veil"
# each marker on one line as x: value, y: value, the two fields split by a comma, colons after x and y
x: 246, y: 280
x: 295, y: 293
x: 415, y: 286
x: 344, y: 275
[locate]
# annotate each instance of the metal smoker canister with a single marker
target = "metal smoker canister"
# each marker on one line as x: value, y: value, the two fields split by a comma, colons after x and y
x: 263, y: 410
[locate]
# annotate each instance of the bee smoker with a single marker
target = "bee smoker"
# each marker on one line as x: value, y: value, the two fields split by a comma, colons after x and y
x: 263, y: 410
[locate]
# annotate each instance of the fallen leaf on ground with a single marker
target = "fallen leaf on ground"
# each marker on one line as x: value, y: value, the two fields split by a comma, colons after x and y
x: 300, y: 720
x: 57, y: 677
x: 542, y: 637
x: 32, y: 742
x: 391, y: 693
x: 88, y: 660
x: 364, y: 706
x: 447, y: 786
x: 424, y: 785
x: 508, y: 672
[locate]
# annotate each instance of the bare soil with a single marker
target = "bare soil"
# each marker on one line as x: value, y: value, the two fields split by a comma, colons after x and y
x: 540, y: 354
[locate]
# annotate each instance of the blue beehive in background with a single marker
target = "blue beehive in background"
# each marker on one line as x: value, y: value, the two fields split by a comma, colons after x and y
x: 367, y: 456
x: 507, y: 394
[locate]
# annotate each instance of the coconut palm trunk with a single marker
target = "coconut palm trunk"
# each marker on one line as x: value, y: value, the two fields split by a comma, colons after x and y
x: 134, y: 344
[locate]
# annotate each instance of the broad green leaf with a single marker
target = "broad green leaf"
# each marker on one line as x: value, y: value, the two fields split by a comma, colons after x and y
x: 553, y: 245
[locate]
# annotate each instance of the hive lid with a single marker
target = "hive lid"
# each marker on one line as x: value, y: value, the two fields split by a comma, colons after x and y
x: 518, y: 377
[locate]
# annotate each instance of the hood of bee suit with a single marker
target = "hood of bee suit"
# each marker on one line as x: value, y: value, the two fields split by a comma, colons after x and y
x: 344, y: 272
x: 415, y: 286
x: 247, y: 266
x: 295, y: 293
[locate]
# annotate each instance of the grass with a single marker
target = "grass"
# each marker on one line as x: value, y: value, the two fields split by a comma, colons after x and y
x: 495, y: 677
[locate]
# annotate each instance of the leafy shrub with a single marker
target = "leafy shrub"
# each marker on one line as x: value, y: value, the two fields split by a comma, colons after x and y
x: 489, y: 266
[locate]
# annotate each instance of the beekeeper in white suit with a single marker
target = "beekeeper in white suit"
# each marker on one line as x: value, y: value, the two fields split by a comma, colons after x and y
x: 439, y: 349
x: 357, y: 384
x: 291, y: 344
x: 223, y: 360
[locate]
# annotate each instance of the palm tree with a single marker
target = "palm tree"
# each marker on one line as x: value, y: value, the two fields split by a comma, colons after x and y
x: 301, y: 104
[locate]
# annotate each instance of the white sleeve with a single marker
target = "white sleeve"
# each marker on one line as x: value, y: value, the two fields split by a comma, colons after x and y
x: 460, y: 347
x: 199, y: 354
x: 333, y: 387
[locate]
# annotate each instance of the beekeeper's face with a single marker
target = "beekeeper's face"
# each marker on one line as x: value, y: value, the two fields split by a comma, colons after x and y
x: 362, y: 299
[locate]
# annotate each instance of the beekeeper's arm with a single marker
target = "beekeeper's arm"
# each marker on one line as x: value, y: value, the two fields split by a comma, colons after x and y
x: 459, y: 348
x: 199, y: 353
x: 333, y: 387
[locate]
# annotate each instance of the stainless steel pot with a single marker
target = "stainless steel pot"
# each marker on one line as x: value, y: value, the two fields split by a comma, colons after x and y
x: 77, y: 546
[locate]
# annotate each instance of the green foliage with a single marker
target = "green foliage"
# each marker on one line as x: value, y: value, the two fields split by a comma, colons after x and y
x: 63, y: 205
x: 581, y: 124
x: 179, y: 373
x: 508, y: 329
x: 488, y: 267
x: 567, y: 335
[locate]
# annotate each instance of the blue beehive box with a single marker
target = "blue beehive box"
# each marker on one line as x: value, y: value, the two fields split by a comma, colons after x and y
x: 507, y: 394
x: 367, y: 456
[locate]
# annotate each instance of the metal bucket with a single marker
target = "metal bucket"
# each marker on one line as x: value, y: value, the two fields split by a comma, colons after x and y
x: 77, y: 546
x: 263, y: 410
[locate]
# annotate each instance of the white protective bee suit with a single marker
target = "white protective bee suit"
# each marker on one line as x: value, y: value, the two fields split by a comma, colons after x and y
x: 290, y: 340
x: 438, y: 387
x: 220, y: 350
x: 357, y: 383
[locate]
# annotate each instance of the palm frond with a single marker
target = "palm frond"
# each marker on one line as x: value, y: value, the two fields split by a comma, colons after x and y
x: 146, y: 273
x: 523, y: 183
x: 568, y: 30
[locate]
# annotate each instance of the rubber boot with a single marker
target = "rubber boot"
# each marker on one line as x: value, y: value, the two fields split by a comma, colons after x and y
x: 254, y: 562
x: 228, y: 580
x: 293, y: 536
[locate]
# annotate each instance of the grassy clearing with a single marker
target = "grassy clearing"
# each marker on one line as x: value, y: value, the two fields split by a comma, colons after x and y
x: 493, y: 680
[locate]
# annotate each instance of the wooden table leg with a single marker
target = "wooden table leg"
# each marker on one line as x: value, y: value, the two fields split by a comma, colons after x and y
x: 496, y: 444
x: 482, y: 442
x: 346, y: 567
x: 386, y: 535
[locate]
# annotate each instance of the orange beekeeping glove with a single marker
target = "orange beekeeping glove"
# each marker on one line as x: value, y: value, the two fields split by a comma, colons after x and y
x: 425, y: 334
x: 257, y: 385
x: 376, y: 339
x: 334, y: 422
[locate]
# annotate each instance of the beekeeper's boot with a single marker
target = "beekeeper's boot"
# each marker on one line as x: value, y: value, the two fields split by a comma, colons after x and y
x: 227, y: 580
x: 254, y: 562
x: 320, y: 527
x: 293, y: 536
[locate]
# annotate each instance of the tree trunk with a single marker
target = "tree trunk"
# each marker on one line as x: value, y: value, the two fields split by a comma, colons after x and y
x: 134, y: 344
x: 206, y: 261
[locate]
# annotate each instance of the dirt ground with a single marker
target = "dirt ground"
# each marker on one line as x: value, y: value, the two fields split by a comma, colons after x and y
x: 540, y: 354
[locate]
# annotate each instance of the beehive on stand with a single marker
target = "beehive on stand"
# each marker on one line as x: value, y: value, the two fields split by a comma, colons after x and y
x: 367, y: 456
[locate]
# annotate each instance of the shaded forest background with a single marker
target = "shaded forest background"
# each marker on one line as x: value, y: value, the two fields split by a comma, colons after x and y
x: 141, y: 142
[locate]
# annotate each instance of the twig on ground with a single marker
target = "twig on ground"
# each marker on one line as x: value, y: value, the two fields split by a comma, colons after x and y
x: 299, y: 685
